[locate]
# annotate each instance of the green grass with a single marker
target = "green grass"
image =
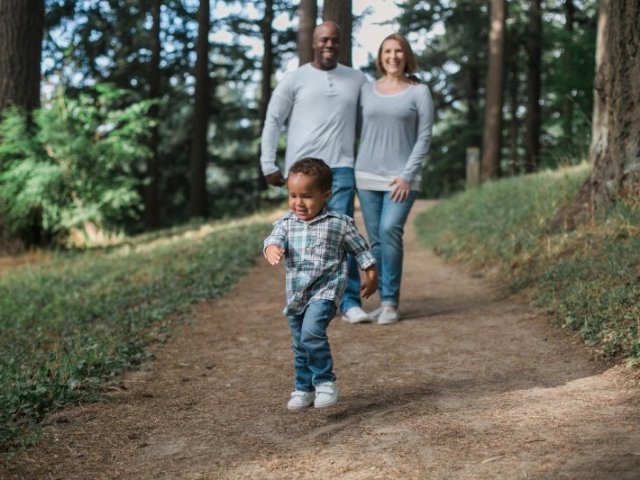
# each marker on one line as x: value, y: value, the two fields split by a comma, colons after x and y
x: 69, y: 326
x: 588, y: 278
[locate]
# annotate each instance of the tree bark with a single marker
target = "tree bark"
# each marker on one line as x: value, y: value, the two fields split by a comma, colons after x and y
x: 514, y: 121
x: 151, y: 210
x: 615, y: 145
x: 567, y: 101
x: 598, y: 119
x: 491, y: 141
x: 265, y: 86
x: 198, y: 194
x: 308, y: 14
x: 474, y: 81
x: 339, y: 11
x: 616, y: 166
x: 534, y: 50
x: 21, y: 33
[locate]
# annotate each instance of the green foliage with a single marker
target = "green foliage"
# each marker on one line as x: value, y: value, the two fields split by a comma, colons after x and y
x: 594, y: 285
x: 81, y: 165
x: 568, y: 72
x: 588, y: 278
x: 496, y: 222
x: 78, y: 54
x: 73, y: 324
x: 450, y: 40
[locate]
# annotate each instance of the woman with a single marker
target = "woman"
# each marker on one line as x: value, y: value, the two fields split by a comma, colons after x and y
x: 397, y: 120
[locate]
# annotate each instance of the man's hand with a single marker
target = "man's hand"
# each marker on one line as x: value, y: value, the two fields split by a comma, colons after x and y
x: 273, y: 253
x: 370, y: 283
x: 275, y: 179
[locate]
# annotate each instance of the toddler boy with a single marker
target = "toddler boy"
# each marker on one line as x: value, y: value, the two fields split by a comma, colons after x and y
x: 315, y: 240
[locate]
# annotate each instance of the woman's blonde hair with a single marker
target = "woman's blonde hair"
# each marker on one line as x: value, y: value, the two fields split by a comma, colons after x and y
x: 410, y: 62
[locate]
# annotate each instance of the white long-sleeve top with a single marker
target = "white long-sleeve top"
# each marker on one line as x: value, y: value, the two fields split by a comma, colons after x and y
x: 321, y: 107
x: 396, y: 136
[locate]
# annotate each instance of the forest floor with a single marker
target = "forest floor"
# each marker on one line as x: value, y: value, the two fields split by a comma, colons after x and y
x: 471, y: 384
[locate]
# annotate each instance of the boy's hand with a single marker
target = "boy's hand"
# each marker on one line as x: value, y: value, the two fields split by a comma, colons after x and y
x: 273, y: 254
x: 370, y: 283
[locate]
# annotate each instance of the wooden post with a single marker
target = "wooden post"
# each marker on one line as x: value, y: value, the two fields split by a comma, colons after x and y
x: 473, y: 166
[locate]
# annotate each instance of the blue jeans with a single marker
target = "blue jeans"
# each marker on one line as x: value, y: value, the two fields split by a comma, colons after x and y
x: 385, y: 220
x: 312, y: 360
x: 343, y: 192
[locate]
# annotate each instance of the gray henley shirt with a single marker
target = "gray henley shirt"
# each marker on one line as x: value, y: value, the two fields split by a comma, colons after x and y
x: 321, y: 107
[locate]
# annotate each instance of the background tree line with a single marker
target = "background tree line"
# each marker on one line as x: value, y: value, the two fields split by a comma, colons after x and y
x: 132, y: 118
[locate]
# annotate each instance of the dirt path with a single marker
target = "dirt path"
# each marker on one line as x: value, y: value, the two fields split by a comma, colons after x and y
x: 470, y: 385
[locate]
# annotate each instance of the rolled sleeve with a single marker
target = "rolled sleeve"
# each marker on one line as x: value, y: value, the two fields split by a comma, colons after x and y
x: 365, y: 260
x: 277, y: 237
x: 356, y: 245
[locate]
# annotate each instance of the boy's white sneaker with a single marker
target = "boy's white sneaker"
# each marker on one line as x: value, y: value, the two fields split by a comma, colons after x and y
x: 326, y: 395
x: 356, y: 315
x: 300, y: 400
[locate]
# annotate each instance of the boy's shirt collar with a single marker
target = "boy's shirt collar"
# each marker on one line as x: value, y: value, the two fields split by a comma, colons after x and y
x: 325, y: 212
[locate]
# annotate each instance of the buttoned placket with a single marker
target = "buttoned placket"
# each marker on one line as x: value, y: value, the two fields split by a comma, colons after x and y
x: 331, y: 84
x: 305, y: 234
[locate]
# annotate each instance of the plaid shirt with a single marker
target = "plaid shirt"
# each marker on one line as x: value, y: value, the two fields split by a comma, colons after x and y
x: 316, y: 256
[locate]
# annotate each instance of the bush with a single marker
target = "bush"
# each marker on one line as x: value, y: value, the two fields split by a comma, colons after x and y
x: 77, y: 164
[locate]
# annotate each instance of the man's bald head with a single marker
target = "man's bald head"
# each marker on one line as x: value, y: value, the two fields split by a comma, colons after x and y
x: 326, y: 45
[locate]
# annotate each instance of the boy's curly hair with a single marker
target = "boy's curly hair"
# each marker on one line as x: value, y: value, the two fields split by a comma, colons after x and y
x: 314, y: 167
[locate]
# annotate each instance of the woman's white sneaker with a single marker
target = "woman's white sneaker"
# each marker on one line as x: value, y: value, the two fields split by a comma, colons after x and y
x: 326, y: 395
x: 300, y: 400
x: 388, y: 315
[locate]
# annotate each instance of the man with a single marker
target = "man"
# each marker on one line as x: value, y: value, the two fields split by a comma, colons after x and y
x: 320, y: 102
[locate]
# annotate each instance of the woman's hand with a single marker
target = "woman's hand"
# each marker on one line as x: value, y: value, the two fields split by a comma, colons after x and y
x: 400, y: 190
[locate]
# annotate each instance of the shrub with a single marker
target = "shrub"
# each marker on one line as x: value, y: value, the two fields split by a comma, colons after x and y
x: 77, y: 165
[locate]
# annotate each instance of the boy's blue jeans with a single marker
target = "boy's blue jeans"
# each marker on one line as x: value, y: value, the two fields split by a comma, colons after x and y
x: 384, y: 220
x: 343, y: 192
x: 311, y: 352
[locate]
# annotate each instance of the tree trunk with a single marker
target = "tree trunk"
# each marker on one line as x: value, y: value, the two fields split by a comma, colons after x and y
x: 514, y: 122
x: 339, y: 11
x: 151, y: 210
x: 21, y: 33
x: 198, y: 197
x: 616, y: 166
x: 491, y: 141
x: 474, y: 79
x: 308, y: 14
x: 615, y: 146
x: 265, y: 86
x: 534, y: 50
x: 567, y: 101
x: 598, y: 120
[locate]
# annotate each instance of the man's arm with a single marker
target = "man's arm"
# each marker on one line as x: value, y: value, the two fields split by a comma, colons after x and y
x: 278, y: 111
